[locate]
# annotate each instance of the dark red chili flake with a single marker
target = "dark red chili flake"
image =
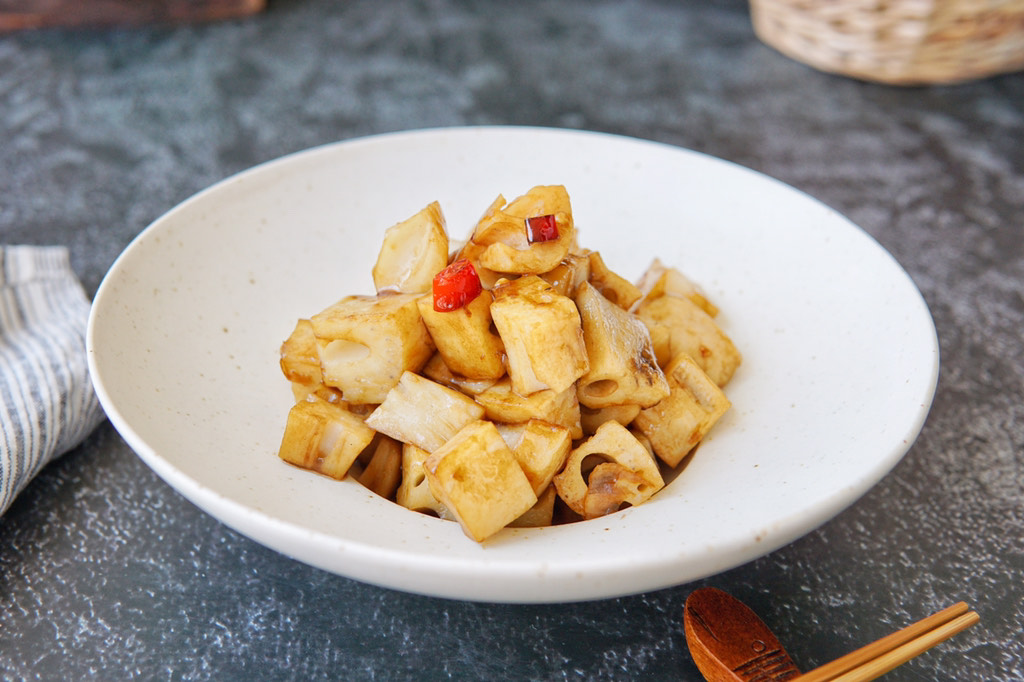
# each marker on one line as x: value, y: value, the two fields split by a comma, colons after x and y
x: 542, y: 228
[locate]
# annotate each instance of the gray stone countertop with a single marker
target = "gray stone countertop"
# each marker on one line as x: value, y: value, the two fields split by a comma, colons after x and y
x: 107, y: 573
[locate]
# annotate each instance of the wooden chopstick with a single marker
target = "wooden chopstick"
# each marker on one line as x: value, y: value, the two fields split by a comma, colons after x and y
x: 878, y: 658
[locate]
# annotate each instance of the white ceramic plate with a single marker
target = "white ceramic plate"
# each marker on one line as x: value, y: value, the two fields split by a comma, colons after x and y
x: 840, y: 354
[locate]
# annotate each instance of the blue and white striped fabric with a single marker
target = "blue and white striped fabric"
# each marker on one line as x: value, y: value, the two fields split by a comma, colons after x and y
x: 47, y: 403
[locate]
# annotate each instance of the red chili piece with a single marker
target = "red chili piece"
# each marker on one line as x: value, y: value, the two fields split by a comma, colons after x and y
x: 455, y: 286
x: 542, y: 228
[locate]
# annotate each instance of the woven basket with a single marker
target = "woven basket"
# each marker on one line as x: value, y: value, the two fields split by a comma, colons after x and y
x: 902, y: 42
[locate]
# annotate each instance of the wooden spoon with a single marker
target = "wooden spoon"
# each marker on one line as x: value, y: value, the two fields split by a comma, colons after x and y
x: 729, y: 643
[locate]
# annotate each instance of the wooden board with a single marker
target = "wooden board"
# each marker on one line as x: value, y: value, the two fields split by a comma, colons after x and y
x: 18, y: 15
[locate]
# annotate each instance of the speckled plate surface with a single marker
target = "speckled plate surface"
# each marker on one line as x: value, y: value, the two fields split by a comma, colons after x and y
x: 840, y: 354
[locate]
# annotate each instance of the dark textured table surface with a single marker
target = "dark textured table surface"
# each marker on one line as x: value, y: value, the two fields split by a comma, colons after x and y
x: 107, y: 573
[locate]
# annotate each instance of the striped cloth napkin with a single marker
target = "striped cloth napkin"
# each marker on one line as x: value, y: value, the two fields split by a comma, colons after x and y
x: 47, y: 403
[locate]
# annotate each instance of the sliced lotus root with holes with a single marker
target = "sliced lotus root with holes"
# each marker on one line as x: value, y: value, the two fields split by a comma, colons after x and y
x: 679, y: 422
x: 414, y: 491
x: 622, y: 369
x: 613, y: 443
